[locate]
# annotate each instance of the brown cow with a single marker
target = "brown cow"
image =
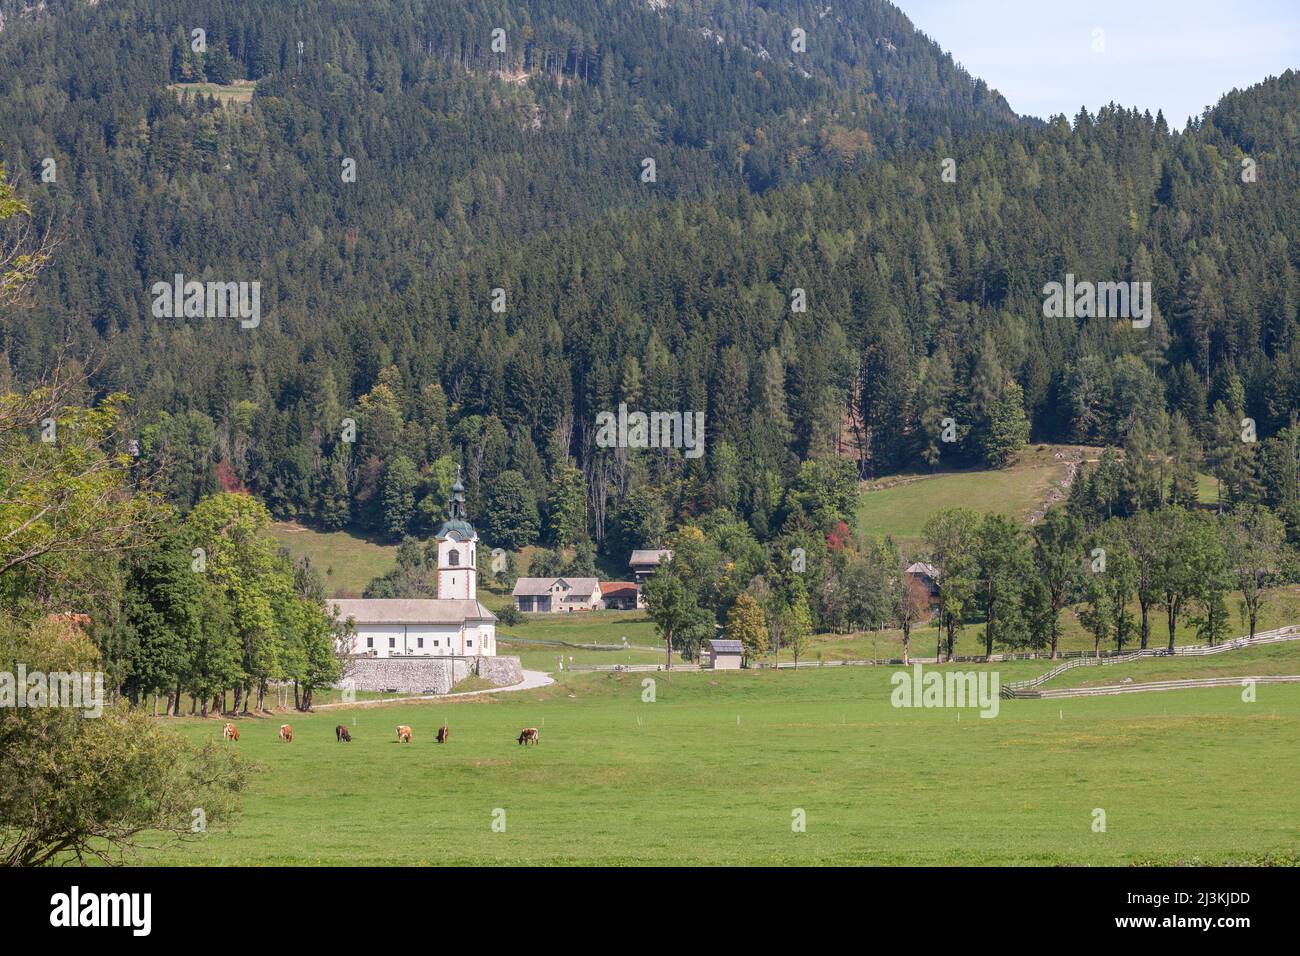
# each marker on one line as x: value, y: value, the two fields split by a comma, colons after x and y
x: 528, y: 736
x: 286, y: 733
x: 230, y: 732
x: 443, y: 733
x: 341, y: 734
x: 404, y: 734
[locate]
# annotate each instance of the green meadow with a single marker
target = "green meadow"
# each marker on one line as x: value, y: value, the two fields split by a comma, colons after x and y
x: 346, y: 562
x: 900, y: 505
x: 1265, y: 660
x: 718, y: 768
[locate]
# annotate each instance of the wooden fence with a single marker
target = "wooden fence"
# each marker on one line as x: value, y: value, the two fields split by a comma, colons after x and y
x: 1061, y: 692
x: 631, y: 668
x: 1072, y: 659
x: 1028, y: 688
x: 1275, y: 636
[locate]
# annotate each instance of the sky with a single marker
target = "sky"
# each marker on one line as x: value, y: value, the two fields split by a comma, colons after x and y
x: 1045, y: 57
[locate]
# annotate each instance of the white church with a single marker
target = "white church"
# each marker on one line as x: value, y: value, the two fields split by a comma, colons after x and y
x: 454, y: 624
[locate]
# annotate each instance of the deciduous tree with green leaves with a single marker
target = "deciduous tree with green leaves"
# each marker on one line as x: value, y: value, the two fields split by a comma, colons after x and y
x: 747, y: 623
x: 1058, y: 556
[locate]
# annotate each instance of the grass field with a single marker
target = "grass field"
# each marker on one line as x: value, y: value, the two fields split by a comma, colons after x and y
x: 588, y: 627
x: 712, y: 771
x: 900, y: 505
x: 346, y: 562
x: 241, y: 91
x: 1270, y: 659
x: 567, y: 633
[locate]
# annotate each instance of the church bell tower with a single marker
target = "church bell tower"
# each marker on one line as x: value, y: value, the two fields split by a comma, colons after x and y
x: 457, y: 550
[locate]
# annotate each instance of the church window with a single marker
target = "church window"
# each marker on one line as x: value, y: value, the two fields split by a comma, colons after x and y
x: 453, y: 557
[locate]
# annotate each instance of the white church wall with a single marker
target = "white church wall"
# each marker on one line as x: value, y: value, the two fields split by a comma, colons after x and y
x: 404, y: 640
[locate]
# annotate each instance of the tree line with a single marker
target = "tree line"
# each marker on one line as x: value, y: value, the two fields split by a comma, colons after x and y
x: 1125, y: 578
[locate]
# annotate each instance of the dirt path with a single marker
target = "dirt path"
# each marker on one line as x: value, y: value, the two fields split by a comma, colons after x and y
x: 1073, y: 458
x: 532, y: 680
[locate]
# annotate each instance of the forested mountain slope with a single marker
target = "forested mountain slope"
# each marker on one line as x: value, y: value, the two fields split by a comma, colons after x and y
x: 521, y: 171
x: 455, y: 146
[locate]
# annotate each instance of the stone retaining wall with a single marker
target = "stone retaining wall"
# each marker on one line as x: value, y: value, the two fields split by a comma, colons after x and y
x: 428, y: 675
x: 502, y: 671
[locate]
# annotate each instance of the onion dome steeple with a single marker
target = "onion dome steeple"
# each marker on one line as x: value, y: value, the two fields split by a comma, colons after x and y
x: 457, y: 524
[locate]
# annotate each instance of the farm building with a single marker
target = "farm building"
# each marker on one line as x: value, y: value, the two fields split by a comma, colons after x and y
x: 923, y: 577
x: 645, y: 563
x: 541, y: 595
x: 453, y: 624
x: 618, y: 595
x: 725, y: 655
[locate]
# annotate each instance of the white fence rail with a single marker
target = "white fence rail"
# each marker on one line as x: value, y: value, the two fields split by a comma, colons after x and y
x: 1028, y: 688
x: 1075, y: 659
x: 1275, y: 636
x: 1162, y: 685
x: 630, y: 668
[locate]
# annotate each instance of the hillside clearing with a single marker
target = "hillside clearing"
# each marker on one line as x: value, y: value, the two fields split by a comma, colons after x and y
x: 899, y: 505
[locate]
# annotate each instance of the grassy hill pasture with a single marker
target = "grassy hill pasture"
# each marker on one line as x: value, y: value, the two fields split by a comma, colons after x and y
x: 899, y: 505
x: 347, y: 562
x: 717, y: 767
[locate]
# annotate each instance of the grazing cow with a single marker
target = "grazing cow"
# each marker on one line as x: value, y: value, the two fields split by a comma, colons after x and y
x: 443, y: 733
x: 528, y: 736
x: 286, y: 733
x: 230, y: 732
x: 342, y: 735
x: 404, y: 734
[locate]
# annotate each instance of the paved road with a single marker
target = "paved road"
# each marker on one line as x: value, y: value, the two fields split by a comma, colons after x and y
x: 531, y: 681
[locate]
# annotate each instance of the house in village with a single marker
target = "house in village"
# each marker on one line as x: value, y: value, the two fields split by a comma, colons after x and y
x: 545, y: 595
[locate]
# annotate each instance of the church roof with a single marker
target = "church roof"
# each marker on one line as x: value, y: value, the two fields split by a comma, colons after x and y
x: 457, y: 526
x: 457, y: 529
x: 412, y: 610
